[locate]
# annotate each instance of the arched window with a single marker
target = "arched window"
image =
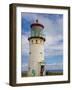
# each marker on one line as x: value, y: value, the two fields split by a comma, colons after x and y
x: 36, y: 41
x: 32, y: 41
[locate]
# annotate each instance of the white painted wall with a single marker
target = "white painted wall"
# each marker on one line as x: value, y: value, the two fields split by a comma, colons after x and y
x: 36, y: 55
x: 4, y: 45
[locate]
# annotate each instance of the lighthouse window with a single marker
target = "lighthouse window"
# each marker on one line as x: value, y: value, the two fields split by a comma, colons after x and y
x: 29, y: 52
x: 32, y: 41
x: 36, y: 41
x: 29, y: 68
x: 40, y: 52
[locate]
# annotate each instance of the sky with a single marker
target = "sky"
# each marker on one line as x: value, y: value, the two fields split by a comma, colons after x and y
x: 53, y: 31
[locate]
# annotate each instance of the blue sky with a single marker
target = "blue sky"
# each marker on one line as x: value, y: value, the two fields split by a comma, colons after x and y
x: 53, y: 30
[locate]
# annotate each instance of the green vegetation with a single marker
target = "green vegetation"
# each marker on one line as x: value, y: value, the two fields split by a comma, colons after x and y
x: 53, y: 73
x: 24, y: 74
x: 48, y: 73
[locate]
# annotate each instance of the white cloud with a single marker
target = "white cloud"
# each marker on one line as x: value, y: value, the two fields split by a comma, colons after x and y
x: 30, y: 17
x: 54, y: 66
x: 24, y: 67
x: 52, y: 47
x: 25, y: 45
x: 52, y: 40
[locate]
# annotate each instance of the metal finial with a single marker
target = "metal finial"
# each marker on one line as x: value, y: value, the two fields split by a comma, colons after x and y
x: 37, y: 21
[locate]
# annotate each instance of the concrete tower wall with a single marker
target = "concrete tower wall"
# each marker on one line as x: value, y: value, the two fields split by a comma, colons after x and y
x: 36, y: 55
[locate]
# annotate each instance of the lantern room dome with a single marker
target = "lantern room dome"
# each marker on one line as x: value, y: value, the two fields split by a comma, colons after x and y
x: 36, y: 24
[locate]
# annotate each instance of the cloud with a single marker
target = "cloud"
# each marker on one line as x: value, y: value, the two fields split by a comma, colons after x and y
x: 53, y: 45
x: 24, y: 45
x: 54, y: 66
x: 24, y: 67
x: 30, y: 17
x: 54, y: 34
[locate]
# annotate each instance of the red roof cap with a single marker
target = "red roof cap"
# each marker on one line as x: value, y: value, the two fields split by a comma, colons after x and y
x: 37, y: 24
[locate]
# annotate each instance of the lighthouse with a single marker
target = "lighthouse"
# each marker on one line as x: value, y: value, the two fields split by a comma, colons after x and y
x: 36, y: 50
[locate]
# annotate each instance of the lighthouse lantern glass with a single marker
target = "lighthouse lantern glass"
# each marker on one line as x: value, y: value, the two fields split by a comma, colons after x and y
x: 37, y: 32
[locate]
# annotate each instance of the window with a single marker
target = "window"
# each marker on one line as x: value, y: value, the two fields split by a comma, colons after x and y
x: 32, y: 41
x: 36, y: 41
x: 40, y: 52
x: 29, y: 68
x: 29, y: 52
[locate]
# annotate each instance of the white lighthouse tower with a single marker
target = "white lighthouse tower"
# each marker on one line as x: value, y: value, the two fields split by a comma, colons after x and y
x: 36, y: 50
